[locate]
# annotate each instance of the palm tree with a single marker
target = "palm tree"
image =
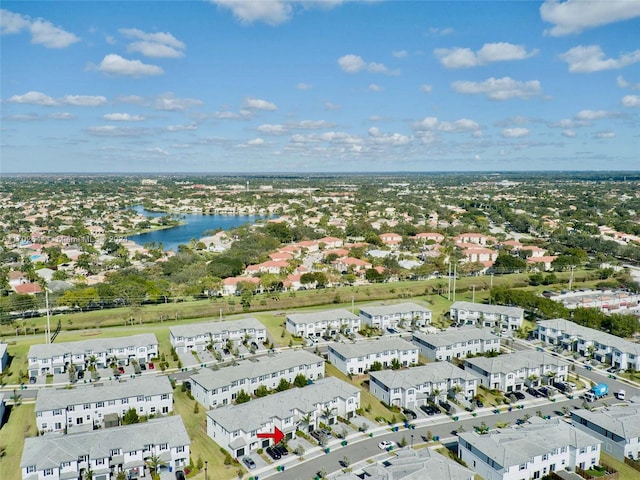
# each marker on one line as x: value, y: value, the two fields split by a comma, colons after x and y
x: 92, y: 363
x: 327, y: 412
x: 306, y: 420
x: 154, y: 463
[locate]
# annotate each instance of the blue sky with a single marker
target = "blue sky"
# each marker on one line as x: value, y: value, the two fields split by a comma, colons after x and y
x: 319, y: 86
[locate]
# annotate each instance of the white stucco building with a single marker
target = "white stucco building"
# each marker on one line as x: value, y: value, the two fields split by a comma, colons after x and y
x: 456, y: 343
x: 326, y: 322
x: 490, y: 316
x: 388, y: 316
x: 196, y: 336
x: 357, y: 358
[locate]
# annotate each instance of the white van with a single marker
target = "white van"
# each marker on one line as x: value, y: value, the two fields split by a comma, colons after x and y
x: 621, y: 394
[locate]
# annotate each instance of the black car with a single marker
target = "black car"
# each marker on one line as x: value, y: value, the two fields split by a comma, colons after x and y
x: 479, y: 404
x: 544, y: 391
x: 426, y: 409
x: 80, y: 374
x: 281, y: 449
x: 410, y: 414
x: 180, y: 475
x: 446, y: 405
x: 519, y: 395
x: 533, y: 392
x: 273, y: 453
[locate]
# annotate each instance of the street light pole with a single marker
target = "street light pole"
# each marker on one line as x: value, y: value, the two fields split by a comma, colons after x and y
x: 206, y: 464
x: 411, y: 441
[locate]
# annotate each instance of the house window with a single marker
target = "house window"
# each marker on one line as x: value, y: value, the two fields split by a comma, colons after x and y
x: 100, y: 461
x: 165, y: 396
x: 180, y: 449
x: 31, y: 469
x: 48, y: 472
x: 165, y: 409
x: 523, y: 466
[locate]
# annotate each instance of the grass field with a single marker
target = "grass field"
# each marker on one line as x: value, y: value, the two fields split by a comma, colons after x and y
x: 21, y: 424
x: 626, y: 472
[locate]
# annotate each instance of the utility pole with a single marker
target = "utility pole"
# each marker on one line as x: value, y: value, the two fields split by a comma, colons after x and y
x: 46, y: 299
x: 449, y: 279
x: 473, y: 294
x: 455, y: 275
x: 352, y: 303
x: 571, y: 277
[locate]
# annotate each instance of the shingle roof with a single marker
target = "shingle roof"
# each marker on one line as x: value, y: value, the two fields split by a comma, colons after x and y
x: 323, y: 316
x: 431, y: 373
x: 515, y: 361
x: 451, y: 337
x: 482, y: 307
x: 624, y: 421
x: 406, y: 307
x: 47, y: 350
x: 213, y: 328
x: 360, y: 349
x: 603, y: 338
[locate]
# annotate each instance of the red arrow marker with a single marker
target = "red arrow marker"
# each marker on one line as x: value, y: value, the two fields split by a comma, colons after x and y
x: 277, y: 435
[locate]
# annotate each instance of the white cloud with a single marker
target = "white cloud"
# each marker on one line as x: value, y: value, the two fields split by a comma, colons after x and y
x: 489, y: 53
x: 123, y: 117
x: 257, y: 104
x: 631, y: 101
x: 426, y: 88
x: 400, y: 54
x: 310, y: 124
x: 113, y: 131
x: 427, y: 123
x: 514, y: 132
x: 332, y: 107
x: 34, y: 98
x: 42, y: 31
x: 84, y: 100
x: 605, y: 134
x: 157, y: 45
x: 569, y: 133
x: 255, y: 142
x: 440, y: 32
x: 303, y: 86
x: 270, y: 129
x: 271, y: 12
x: 169, y: 102
x: 574, y: 16
x: 431, y: 124
x: 354, y: 63
x: 113, y: 64
x: 504, y: 88
x: 155, y: 50
x: 394, y: 139
x: 622, y: 83
x: 591, y: 58
x: 375, y: 88
x: 589, y: 115
x: 62, y: 116
x: 181, y: 128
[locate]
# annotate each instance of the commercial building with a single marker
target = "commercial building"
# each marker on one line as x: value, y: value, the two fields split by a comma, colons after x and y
x: 325, y: 323
x: 389, y: 316
x: 357, y: 358
x: 456, y: 343
x: 197, y: 336
x: 490, y: 316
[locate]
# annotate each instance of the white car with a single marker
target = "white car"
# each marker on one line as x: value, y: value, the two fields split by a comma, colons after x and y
x: 621, y: 394
x: 385, y: 444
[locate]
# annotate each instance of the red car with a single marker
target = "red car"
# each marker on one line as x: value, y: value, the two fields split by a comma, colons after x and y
x: 121, y: 369
x: 151, y: 367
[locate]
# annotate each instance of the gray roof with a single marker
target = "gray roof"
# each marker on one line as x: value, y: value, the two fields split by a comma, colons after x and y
x: 323, y: 316
x: 483, y: 307
x: 213, y: 328
x: 361, y: 349
x: 407, y: 307
x: 48, y: 350
x: 431, y: 373
x: 624, y: 421
x: 603, y: 338
x: 49, y: 451
x: 256, y: 413
x: 210, y: 379
x: 519, y: 444
x: 451, y: 337
x: 55, y: 398
x: 511, y: 362
x: 408, y: 464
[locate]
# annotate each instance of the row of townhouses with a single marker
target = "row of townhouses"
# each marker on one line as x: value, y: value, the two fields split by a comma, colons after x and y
x: 589, y: 342
x: 490, y: 316
x: 415, y: 386
x: 50, y: 358
x: 213, y: 388
x: 198, y: 336
x: 88, y: 407
x: 235, y: 427
x: 389, y: 316
x: 457, y: 343
x: 106, y: 452
x: 529, y: 451
x: 357, y: 358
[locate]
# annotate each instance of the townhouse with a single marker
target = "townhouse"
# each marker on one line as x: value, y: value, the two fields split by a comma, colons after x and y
x: 197, y: 336
x: 506, y: 318
x: 4, y: 357
x: 516, y: 371
x: 604, y: 347
x: 528, y: 451
x: 50, y: 358
x: 415, y: 386
x: 456, y: 343
x: 235, y: 427
x: 388, y: 316
x: 221, y: 387
x: 409, y: 464
x: 106, y: 452
x: 95, y: 406
x: 324, y: 323
x: 357, y: 358
x: 617, y: 427
x: 2, y: 408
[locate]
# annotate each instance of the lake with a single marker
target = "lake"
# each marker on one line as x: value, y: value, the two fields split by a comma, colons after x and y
x: 194, y: 227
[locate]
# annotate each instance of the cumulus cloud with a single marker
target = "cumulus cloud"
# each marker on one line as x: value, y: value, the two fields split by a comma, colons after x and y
x: 169, y: 102
x: 394, y: 139
x: 84, y: 100
x: 605, y: 134
x: 400, y: 54
x: 574, y: 16
x: 273, y: 129
x: 504, y: 88
x: 62, y: 116
x: 113, y: 64
x: 39, y: 98
x: 432, y: 124
x: 426, y: 88
x: 622, y: 83
x: 489, y: 53
x: 158, y: 45
x: 271, y: 12
x: 257, y: 104
x: 631, y: 101
x: 375, y: 88
x: 303, y: 86
x: 255, y: 142
x: 587, y: 59
x: 569, y: 133
x: 113, y: 131
x: 34, y: 98
x: 181, y: 128
x: 354, y: 64
x: 514, y: 132
x: 42, y: 31
x: 589, y: 115
x: 123, y: 117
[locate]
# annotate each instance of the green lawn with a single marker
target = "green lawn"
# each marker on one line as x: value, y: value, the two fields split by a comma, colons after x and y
x: 626, y: 472
x: 21, y: 424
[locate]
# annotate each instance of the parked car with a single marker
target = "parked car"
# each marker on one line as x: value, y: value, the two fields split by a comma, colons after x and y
x: 410, y: 414
x: 151, y: 367
x: 282, y: 450
x: 121, y: 369
x: 143, y: 366
x: 446, y: 405
x: 273, y: 453
x: 479, y: 403
x: 180, y: 475
x: 385, y: 445
x: 429, y: 410
x: 519, y: 395
x: 248, y: 461
x: 533, y: 392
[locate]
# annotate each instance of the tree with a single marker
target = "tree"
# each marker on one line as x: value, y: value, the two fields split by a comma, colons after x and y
x: 242, y: 397
x: 283, y: 385
x: 261, y: 391
x: 395, y: 364
x: 375, y: 366
x: 154, y: 463
x: 327, y: 413
x: 130, y: 417
x: 300, y: 381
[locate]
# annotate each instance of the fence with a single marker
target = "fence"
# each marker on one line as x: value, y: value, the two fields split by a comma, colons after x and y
x: 612, y: 473
x: 632, y: 463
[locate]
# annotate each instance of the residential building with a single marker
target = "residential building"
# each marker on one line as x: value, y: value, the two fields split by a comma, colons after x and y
x: 2, y: 407
x: 516, y: 371
x: 324, y: 323
x: 604, y: 347
x: 528, y: 451
x: 83, y: 408
x: 357, y: 358
x: 617, y: 427
x: 456, y: 343
x: 106, y: 452
x: 214, y: 388
x: 4, y: 357
x: 409, y: 464
x: 414, y: 386
x: 388, y: 316
x: 506, y: 318
x: 235, y: 427
x: 197, y: 336
x: 49, y: 358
